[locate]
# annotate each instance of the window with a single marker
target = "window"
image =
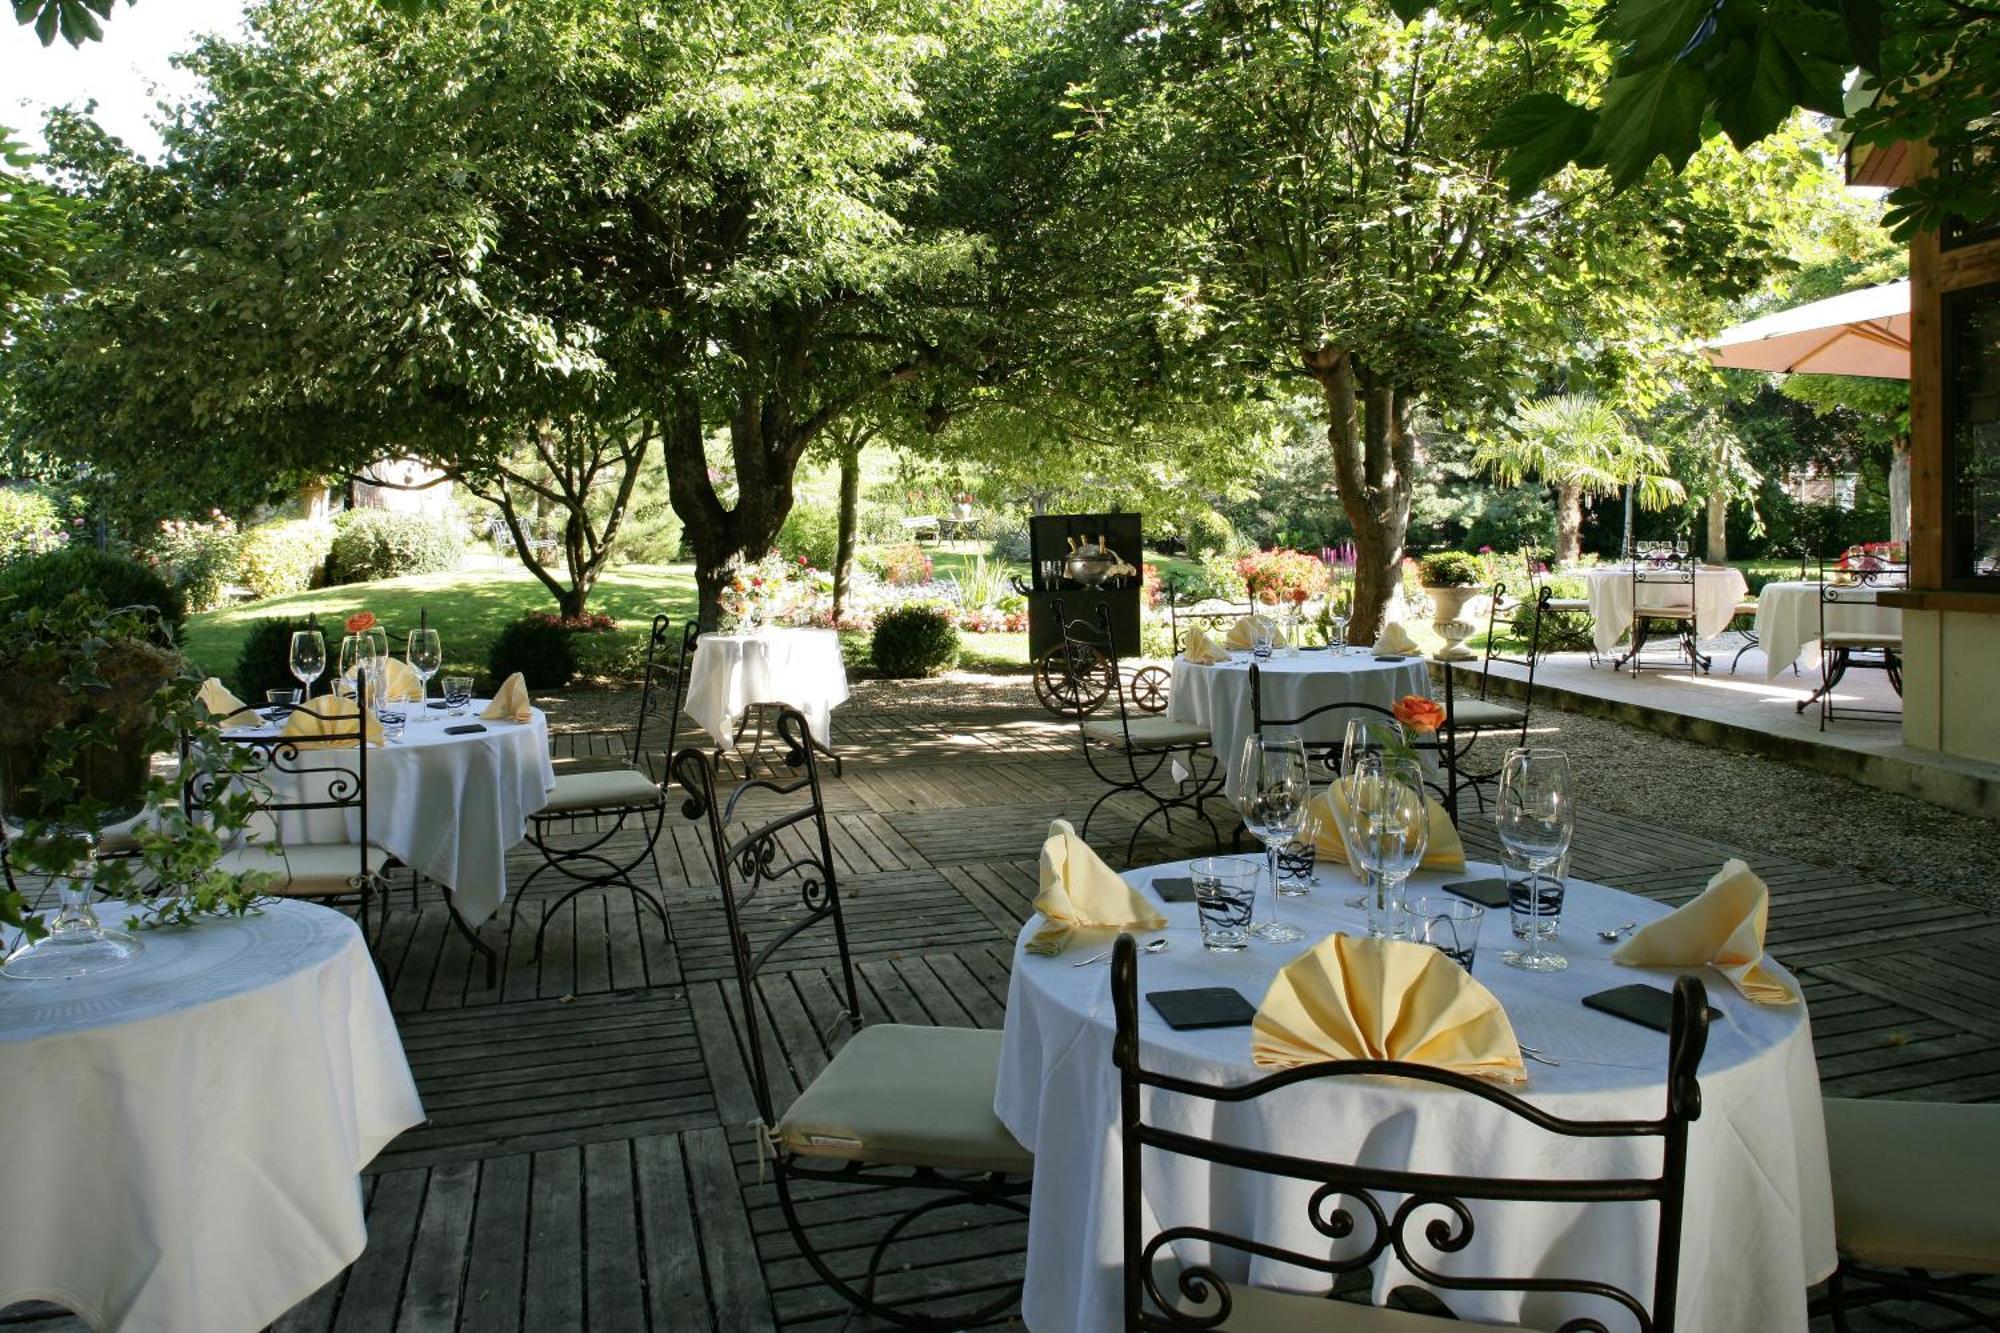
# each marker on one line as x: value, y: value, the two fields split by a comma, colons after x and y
x: 1971, y: 322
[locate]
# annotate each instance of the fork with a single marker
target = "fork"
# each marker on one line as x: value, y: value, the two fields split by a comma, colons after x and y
x: 1536, y: 1054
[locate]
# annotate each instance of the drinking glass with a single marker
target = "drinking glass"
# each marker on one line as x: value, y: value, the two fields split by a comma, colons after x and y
x: 1386, y: 828
x: 1367, y: 735
x: 354, y: 651
x: 1338, y: 619
x: 1535, y: 822
x: 280, y: 702
x: 457, y: 694
x: 1543, y: 916
x: 425, y: 654
x: 1449, y: 925
x: 1260, y: 636
x: 308, y: 658
x: 1275, y: 791
x: 1225, y: 896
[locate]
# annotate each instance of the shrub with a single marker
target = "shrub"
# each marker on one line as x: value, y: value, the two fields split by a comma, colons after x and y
x: 265, y: 660
x: 651, y: 534
x: 30, y: 524
x: 1451, y: 569
x: 1010, y: 545
x: 284, y: 557
x: 1210, y: 533
x: 372, y: 544
x: 199, y: 557
x: 44, y: 580
x: 811, y: 532
x: 905, y: 565
x: 544, y: 647
x: 914, y: 640
x: 1562, y: 631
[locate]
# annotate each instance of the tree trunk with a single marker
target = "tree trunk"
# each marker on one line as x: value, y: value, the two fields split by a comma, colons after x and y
x: 850, y: 504
x: 1899, y: 492
x: 1569, y: 523
x: 723, y: 540
x: 1718, y: 528
x: 1374, y: 459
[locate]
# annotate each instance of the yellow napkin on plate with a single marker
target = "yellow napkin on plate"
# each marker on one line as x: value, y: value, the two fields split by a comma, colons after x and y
x: 1080, y: 892
x: 225, y: 708
x: 1395, y: 640
x: 1239, y: 633
x: 510, y: 702
x: 1202, y: 650
x: 1442, y: 849
x: 335, y: 714
x: 405, y: 685
x: 1722, y: 928
x: 1354, y: 998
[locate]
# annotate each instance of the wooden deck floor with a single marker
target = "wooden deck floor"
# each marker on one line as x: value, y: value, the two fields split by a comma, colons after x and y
x: 589, y: 1161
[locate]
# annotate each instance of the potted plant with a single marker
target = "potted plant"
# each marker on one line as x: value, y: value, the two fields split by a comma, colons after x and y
x: 961, y: 503
x: 89, y: 695
x: 1451, y: 579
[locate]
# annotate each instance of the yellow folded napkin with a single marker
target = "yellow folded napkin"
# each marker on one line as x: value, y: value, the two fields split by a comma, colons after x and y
x: 1354, y: 998
x: 1239, y: 633
x: 1202, y: 650
x: 510, y: 702
x: 1722, y: 928
x: 336, y: 714
x: 1442, y: 849
x: 1081, y: 893
x: 405, y: 685
x: 1395, y: 640
x: 226, y: 709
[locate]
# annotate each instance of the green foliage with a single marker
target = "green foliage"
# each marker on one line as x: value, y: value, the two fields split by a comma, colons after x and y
x: 1450, y: 569
x: 38, y: 233
x: 548, y: 650
x: 914, y: 640
x: 652, y: 534
x: 811, y: 532
x: 1580, y: 441
x: 265, y: 660
x: 1562, y: 631
x: 903, y: 566
x: 370, y: 544
x: 284, y: 557
x: 1210, y: 533
x: 44, y: 581
x: 199, y: 557
x: 981, y: 584
x: 30, y: 524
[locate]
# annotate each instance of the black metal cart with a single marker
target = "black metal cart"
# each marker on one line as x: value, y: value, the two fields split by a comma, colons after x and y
x: 1072, y: 556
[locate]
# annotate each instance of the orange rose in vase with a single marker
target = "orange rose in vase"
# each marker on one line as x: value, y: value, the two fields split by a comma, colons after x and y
x: 360, y: 622
x: 1419, y: 713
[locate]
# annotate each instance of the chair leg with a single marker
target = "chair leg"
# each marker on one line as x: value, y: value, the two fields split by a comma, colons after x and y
x: 567, y: 861
x: 479, y: 946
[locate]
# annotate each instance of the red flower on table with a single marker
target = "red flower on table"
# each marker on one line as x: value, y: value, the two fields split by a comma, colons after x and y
x: 359, y: 621
x: 1418, y: 713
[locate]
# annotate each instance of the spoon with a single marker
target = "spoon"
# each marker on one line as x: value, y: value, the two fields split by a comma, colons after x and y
x: 1150, y: 946
x: 1616, y: 933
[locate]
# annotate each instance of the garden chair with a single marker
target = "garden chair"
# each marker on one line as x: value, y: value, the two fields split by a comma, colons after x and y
x: 1162, y: 1295
x: 898, y: 1106
x: 1327, y: 753
x: 1468, y: 718
x: 1177, y: 611
x: 1669, y: 576
x: 1538, y: 564
x: 1842, y: 649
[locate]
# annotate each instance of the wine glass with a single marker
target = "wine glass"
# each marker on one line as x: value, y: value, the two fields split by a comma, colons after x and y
x: 1275, y: 792
x: 425, y: 654
x: 1535, y: 821
x: 308, y: 658
x: 1368, y: 735
x: 354, y: 652
x: 1386, y: 827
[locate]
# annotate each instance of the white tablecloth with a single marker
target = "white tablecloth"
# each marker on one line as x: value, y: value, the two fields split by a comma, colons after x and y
x: 1717, y: 590
x: 732, y: 672
x: 1218, y: 696
x: 449, y: 806
x: 1759, y: 1221
x: 186, y: 1133
x: 1788, y: 620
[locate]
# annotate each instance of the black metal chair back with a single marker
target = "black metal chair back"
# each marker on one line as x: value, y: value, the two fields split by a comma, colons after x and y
x: 663, y: 688
x: 793, y: 847
x: 1326, y: 753
x: 1666, y: 574
x: 1436, y: 1214
x: 1851, y: 581
x: 1091, y: 647
x: 1228, y: 615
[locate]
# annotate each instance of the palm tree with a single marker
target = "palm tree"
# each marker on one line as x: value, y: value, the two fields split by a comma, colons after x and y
x: 1580, y: 446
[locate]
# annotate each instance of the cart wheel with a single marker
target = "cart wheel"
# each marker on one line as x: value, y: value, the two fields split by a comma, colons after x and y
x: 1149, y: 688
x: 1072, y: 679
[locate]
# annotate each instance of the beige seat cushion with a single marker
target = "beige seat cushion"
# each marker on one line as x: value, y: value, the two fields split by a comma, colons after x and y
x: 1747, y: 608
x: 1915, y: 1184
x: 1568, y: 604
x: 608, y: 789
x: 1862, y: 639
x: 1149, y: 731
x: 318, y: 870
x: 1484, y: 713
x: 1262, y: 1310
x: 903, y: 1095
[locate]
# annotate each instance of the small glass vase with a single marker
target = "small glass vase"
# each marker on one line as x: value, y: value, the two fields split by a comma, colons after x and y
x: 76, y: 945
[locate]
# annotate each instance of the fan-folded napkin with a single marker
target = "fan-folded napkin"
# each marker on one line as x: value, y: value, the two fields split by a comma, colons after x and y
x: 404, y: 684
x: 1202, y: 650
x: 1079, y: 892
x: 1442, y: 849
x: 1354, y: 998
x: 1723, y: 928
x: 226, y: 709
x: 1395, y: 640
x: 510, y: 702
x: 329, y: 715
x: 1239, y: 633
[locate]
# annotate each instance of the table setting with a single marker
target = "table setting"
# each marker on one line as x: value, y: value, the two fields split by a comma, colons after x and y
x: 1718, y: 589
x: 1788, y: 620
x: 1552, y: 987
x: 735, y: 674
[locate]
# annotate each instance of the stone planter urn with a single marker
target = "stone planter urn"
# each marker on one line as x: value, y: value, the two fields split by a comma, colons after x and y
x: 1448, y: 619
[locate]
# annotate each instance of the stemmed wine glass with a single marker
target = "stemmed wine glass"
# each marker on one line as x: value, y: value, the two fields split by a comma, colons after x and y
x: 1535, y: 822
x: 1384, y: 823
x: 1368, y: 735
x: 308, y: 658
x: 354, y: 651
x: 1275, y: 792
x: 425, y: 653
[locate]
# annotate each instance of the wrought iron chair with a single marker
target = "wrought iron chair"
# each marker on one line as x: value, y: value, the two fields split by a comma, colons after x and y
x: 1671, y: 574
x: 1467, y: 719
x: 1913, y: 1191
x: 1136, y: 750
x: 633, y: 791
x: 1842, y: 650
x: 1538, y: 563
x: 291, y: 777
x: 1326, y: 753
x: 898, y: 1106
x: 1225, y: 617
x: 1161, y: 1294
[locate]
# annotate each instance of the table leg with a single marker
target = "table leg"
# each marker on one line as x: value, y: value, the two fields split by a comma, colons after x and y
x: 472, y: 937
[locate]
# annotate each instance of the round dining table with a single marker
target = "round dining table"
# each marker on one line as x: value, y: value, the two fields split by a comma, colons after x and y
x: 1217, y: 696
x: 445, y: 799
x: 1759, y: 1219
x: 1788, y: 620
x: 186, y: 1133
x: 1718, y: 590
x: 735, y: 673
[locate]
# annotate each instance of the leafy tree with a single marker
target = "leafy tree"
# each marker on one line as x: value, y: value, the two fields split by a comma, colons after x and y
x: 37, y: 235
x: 1581, y: 447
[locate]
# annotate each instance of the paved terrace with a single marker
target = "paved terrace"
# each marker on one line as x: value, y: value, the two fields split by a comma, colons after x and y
x: 589, y: 1163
